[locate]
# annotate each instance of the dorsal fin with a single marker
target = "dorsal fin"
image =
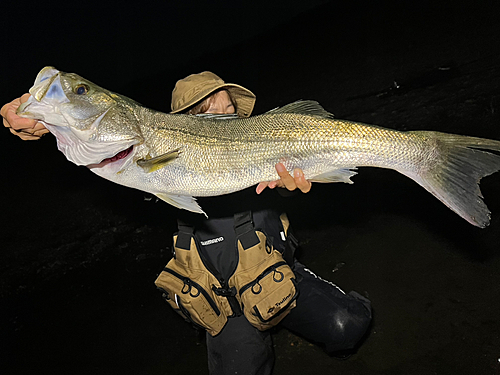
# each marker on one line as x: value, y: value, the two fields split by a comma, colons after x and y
x: 302, y: 107
x: 218, y: 116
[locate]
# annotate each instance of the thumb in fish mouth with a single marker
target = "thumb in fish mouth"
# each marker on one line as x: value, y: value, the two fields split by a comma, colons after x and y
x: 24, y: 128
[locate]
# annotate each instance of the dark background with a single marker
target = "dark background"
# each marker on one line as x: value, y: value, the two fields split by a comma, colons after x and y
x: 80, y: 254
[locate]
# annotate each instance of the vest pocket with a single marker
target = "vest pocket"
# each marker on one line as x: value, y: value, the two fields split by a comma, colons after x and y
x: 269, y: 298
x: 191, y: 300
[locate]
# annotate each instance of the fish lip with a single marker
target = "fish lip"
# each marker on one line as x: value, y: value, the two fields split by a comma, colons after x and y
x: 47, y: 91
x: 118, y: 157
x: 22, y: 108
x: 46, y: 73
x: 42, y: 86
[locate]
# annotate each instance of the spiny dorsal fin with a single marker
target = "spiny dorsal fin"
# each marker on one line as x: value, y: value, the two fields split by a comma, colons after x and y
x: 302, y: 107
x: 218, y: 116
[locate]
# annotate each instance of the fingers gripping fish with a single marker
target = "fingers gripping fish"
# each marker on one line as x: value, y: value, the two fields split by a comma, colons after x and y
x: 179, y: 157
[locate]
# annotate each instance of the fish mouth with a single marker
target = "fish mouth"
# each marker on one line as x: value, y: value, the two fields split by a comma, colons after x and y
x: 77, y: 133
x: 47, y: 95
x: 47, y: 85
x: 119, y: 156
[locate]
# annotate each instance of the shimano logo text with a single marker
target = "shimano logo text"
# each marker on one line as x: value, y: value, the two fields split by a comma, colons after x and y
x: 212, y: 241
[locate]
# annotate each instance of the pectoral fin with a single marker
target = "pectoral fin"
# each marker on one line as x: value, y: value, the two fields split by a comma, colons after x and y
x: 337, y: 175
x: 185, y: 202
x: 158, y: 162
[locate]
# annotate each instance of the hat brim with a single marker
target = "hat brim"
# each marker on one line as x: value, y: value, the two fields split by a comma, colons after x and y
x: 244, y: 98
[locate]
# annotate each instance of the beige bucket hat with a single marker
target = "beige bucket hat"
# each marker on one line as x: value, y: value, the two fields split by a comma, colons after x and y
x: 196, y: 87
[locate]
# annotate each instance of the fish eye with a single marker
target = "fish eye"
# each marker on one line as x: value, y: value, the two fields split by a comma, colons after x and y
x: 81, y: 89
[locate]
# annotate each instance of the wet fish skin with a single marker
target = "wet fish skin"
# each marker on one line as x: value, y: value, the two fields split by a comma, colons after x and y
x: 178, y: 157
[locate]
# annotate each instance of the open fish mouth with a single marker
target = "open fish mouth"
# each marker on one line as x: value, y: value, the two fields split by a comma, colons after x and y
x: 119, y: 156
x: 64, y: 104
x: 47, y: 95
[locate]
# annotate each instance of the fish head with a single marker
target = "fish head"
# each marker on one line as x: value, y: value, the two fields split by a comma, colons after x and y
x: 93, y: 126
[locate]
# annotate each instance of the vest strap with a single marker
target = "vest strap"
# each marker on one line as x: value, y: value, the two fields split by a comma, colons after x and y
x: 244, y: 229
x: 184, y: 235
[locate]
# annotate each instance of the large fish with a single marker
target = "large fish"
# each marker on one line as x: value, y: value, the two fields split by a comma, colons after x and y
x: 179, y: 157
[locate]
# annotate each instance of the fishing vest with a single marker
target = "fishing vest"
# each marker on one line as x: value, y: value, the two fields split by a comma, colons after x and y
x: 262, y: 286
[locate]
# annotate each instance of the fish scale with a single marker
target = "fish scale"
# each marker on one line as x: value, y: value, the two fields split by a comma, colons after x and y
x: 179, y: 157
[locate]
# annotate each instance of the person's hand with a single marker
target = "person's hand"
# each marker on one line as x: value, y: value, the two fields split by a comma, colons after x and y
x: 24, y: 128
x: 298, y: 181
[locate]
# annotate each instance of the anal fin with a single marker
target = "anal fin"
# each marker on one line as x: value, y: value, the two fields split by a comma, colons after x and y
x: 337, y: 175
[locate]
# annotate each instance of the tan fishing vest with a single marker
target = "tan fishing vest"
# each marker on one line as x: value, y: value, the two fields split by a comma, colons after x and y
x: 263, y: 286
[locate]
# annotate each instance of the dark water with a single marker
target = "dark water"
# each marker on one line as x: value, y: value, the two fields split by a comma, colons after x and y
x: 79, y: 254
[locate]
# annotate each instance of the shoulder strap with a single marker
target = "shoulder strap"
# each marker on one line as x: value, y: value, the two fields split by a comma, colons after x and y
x: 244, y: 229
x: 184, y: 235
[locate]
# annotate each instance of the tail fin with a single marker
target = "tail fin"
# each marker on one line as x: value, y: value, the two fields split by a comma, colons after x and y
x: 454, y: 177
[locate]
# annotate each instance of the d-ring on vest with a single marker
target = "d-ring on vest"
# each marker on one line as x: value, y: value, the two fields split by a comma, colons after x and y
x: 262, y: 287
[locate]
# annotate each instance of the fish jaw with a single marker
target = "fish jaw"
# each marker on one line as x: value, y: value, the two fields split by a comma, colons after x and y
x: 46, y: 98
x: 90, y: 154
x: 112, y: 166
x: 53, y: 101
x: 80, y: 135
x: 43, y: 83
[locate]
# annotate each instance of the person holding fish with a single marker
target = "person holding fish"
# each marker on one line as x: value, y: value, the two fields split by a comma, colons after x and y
x: 235, y: 274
